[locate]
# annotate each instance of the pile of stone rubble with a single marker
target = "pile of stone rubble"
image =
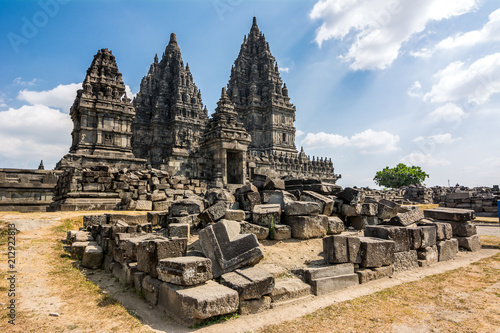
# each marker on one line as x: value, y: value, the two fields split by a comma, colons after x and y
x: 218, y: 273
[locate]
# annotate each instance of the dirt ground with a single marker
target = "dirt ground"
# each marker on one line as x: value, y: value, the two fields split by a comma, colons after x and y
x: 53, y: 296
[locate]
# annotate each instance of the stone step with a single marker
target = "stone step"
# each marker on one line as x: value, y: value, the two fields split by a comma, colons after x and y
x: 293, y: 301
x: 288, y: 289
x: 327, y: 285
x: 329, y: 271
x: 451, y: 214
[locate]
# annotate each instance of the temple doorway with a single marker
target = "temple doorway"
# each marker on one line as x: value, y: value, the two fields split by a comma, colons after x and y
x: 235, y: 167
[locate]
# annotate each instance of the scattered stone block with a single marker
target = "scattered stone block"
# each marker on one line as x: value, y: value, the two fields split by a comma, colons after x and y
x: 325, y: 203
x: 227, y: 248
x: 247, y: 188
x: 399, y: 235
x: 213, y: 213
x: 330, y: 284
x: 253, y: 306
x: 78, y: 248
x: 158, y: 217
x: 127, y: 219
x: 215, y: 195
x: 447, y: 249
x: 335, y: 225
x: 472, y: 243
x: 249, y: 200
x: 144, y: 205
x: 306, y: 227
x: 335, y: 249
x: 191, y: 305
x: 428, y: 236
x: 376, y: 252
x: 289, y: 289
x: 92, y: 257
x: 179, y: 230
x: 185, y: 271
x: 235, y: 215
x: 301, y: 208
x: 281, y: 232
x: 191, y: 206
x: 387, y: 209
x: 450, y: 214
x: 90, y: 220
x: 274, y: 184
x: 83, y: 236
x: 411, y: 215
x: 369, y: 209
x: 250, y: 283
x: 405, y: 261
x: 443, y: 230
x: 259, y: 231
x: 281, y: 198
x: 162, y: 205
x: 351, y: 196
x: 463, y: 229
x: 414, y: 237
x: 351, y: 210
x: 151, y: 289
x: 266, y: 215
x: 150, y: 252
x: 427, y: 256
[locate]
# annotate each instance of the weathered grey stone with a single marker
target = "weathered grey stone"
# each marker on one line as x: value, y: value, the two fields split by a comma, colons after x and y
x: 305, y: 227
x: 289, y: 289
x: 250, y: 283
x: 335, y: 249
x: 253, y: 306
x: 370, y: 274
x: 335, y: 225
x: 326, y: 204
x: 138, y: 277
x: 191, y: 206
x: 472, y: 243
x: 83, y: 236
x: 428, y: 234
x: 90, y: 220
x: 376, y: 252
x: 266, y: 215
x: 274, y: 184
x: 351, y: 196
x: 235, y: 215
x: 213, y: 213
x: 247, y: 189
x: 387, y: 209
x: 259, y: 231
x: 411, y: 215
x: 92, y: 257
x: 215, y: 195
x: 160, y: 196
x: 151, y: 289
x: 399, y: 235
x: 281, y: 232
x: 405, y: 261
x: 427, y: 256
x: 118, y: 272
x: 301, y: 208
x: 158, y: 218
x: 281, y: 198
x: 326, y: 285
x: 162, y: 205
x: 180, y: 230
x: 443, y: 230
x: 78, y: 248
x: 369, y: 209
x: 144, y: 205
x: 462, y: 229
x: 351, y: 210
x: 150, y: 252
x: 129, y: 245
x: 127, y: 219
x: 190, y: 305
x: 415, y: 237
x: 328, y: 271
x: 249, y: 200
x: 451, y: 214
x: 447, y: 249
x: 227, y: 248
x: 185, y: 271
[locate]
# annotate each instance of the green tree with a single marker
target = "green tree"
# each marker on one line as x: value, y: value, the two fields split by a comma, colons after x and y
x: 401, y: 175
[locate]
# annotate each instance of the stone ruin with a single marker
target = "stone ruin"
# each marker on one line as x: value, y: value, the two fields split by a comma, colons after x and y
x: 202, y: 256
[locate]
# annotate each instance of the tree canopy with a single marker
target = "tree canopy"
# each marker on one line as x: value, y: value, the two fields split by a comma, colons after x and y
x: 399, y: 176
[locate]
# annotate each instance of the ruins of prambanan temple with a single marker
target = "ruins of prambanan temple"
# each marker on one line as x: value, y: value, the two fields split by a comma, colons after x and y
x: 167, y: 127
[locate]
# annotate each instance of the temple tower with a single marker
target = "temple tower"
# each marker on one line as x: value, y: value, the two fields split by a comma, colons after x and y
x: 261, y: 98
x: 102, y: 119
x: 225, y: 143
x: 170, y: 118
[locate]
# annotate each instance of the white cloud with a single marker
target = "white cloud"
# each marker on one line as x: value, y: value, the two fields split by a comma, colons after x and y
x: 372, y: 142
x: 415, y: 89
x: 438, y: 138
x: 129, y: 92
x: 323, y: 140
x: 379, y: 28
x: 36, y: 131
x: 421, y: 159
x: 299, y: 133
x: 19, y: 81
x: 449, y: 113
x: 2, y: 101
x: 284, y: 69
x: 61, y: 96
x: 368, y: 141
x: 476, y: 83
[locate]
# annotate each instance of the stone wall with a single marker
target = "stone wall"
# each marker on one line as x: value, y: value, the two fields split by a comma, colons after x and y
x: 26, y: 190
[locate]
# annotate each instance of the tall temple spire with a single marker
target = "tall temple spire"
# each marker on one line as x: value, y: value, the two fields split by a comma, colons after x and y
x: 169, y: 111
x: 260, y: 97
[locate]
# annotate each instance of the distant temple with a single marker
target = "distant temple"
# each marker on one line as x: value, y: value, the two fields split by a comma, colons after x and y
x: 166, y: 127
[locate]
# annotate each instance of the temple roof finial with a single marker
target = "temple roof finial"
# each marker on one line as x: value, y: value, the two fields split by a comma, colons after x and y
x: 173, y: 38
x: 254, y: 21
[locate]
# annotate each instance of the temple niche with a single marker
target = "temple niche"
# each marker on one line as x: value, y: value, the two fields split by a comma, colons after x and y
x: 102, y: 117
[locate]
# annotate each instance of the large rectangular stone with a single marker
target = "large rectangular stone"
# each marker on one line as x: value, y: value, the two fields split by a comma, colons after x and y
x: 463, y: 229
x: 339, y: 249
x: 325, y: 203
x: 185, y: 271
x: 190, y: 305
x: 443, y: 229
x: 190, y: 206
x: 326, y: 285
x: 399, y: 235
x: 405, y: 261
x: 428, y: 234
x: 351, y: 196
x: 376, y: 252
x: 150, y: 252
x: 249, y: 200
x: 151, y: 289
x: 227, y: 248
x: 92, y: 257
x: 472, y: 243
x: 250, y: 282
x: 301, y: 208
x: 447, y: 249
x: 427, y: 256
x: 335, y: 225
x: 288, y: 289
x: 409, y: 216
x: 306, y: 227
x: 387, y: 209
x: 328, y: 271
x: 266, y: 215
x: 451, y: 214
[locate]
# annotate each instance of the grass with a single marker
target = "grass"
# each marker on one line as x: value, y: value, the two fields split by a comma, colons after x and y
x: 461, y: 300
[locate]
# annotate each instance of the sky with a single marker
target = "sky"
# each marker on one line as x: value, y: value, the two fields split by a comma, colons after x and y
x: 375, y: 82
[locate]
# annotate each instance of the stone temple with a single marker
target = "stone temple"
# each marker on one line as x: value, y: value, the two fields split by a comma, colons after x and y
x: 167, y: 128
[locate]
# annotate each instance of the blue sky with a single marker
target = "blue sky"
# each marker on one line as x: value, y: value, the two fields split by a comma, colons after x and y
x: 375, y: 82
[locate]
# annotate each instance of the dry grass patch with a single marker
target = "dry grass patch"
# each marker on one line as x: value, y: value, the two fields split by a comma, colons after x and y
x: 463, y: 300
